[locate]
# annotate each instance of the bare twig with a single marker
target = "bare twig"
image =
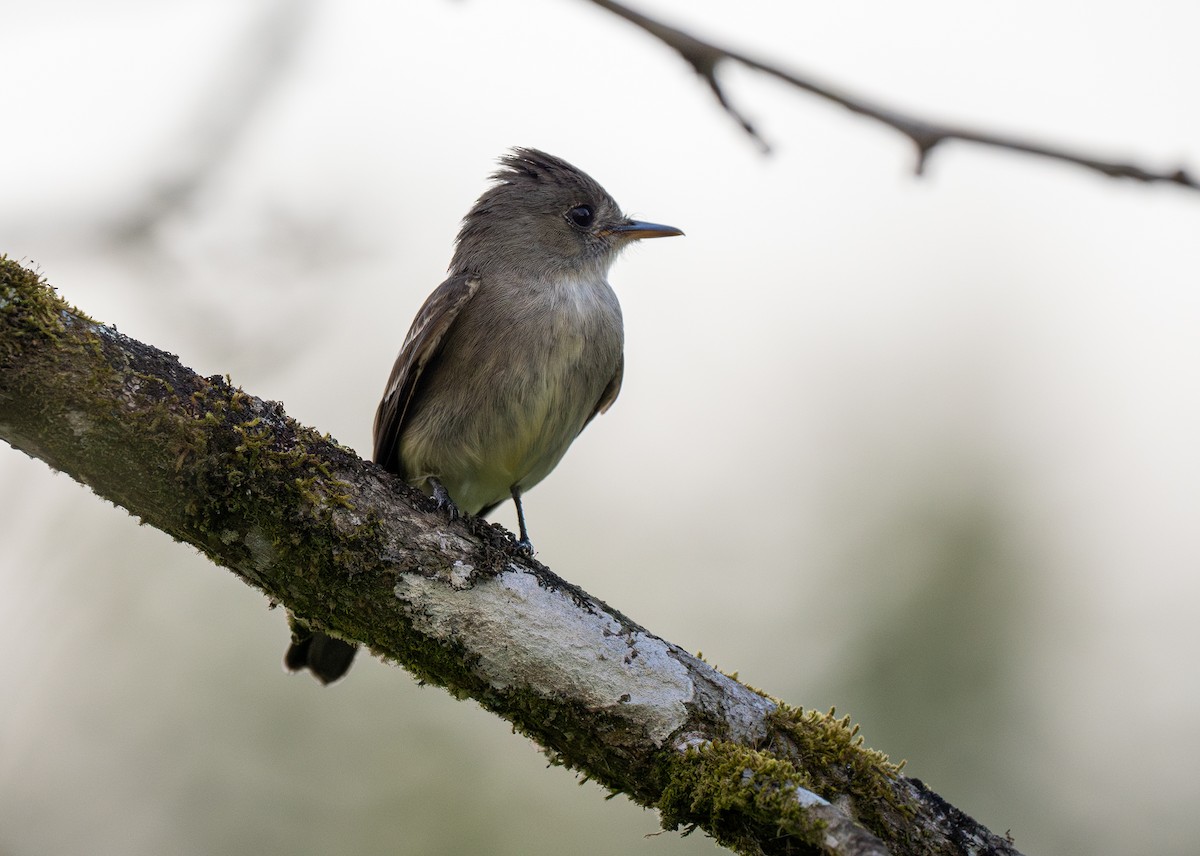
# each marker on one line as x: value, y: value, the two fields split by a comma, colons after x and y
x: 705, y: 57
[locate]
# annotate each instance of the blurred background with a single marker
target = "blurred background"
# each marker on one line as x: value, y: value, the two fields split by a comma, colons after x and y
x: 923, y: 449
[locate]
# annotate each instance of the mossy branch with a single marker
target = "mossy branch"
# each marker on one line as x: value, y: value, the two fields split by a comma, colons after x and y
x: 354, y: 551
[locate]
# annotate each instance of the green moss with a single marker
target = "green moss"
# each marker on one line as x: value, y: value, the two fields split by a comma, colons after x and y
x: 30, y: 308
x: 827, y: 742
x: 263, y: 451
x: 257, y: 471
x: 741, y: 797
x: 833, y: 747
x: 733, y: 790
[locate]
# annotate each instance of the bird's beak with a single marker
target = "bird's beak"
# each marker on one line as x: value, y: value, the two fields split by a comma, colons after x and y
x: 634, y: 229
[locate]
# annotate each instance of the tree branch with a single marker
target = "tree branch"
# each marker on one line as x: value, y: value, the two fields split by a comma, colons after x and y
x: 354, y: 551
x: 705, y: 57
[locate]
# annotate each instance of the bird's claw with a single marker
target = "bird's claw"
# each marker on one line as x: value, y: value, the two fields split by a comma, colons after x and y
x: 444, y: 503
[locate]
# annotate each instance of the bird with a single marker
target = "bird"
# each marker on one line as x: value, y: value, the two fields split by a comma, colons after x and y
x: 509, y: 359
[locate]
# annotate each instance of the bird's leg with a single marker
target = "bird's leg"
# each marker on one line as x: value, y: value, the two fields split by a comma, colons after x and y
x: 524, y: 545
x: 444, y: 502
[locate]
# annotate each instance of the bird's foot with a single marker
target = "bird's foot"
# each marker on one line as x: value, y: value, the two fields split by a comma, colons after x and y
x: 444, y: 503
x: 524, y: 545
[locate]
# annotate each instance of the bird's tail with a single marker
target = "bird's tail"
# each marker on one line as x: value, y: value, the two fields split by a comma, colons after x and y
x: 327, y: 658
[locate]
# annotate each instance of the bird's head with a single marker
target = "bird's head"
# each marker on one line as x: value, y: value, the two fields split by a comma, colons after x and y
x: 544, y: 218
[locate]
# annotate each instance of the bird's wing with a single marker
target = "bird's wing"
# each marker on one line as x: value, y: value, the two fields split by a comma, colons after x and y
x: 610, y: 392
x: 421, y: 345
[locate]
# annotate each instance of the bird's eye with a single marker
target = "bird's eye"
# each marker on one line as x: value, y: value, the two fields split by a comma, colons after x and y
x: 581, y: 215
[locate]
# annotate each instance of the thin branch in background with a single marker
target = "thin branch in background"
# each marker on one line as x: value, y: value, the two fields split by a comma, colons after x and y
x: 706, y: 57
x: 243, y: 84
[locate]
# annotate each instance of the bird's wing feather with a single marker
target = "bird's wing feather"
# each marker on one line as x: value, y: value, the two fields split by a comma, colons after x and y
x: 421, y: 345
x: 610, y: 392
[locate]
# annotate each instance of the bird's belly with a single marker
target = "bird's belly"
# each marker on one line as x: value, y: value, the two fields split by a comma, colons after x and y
x: 521, y: 421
